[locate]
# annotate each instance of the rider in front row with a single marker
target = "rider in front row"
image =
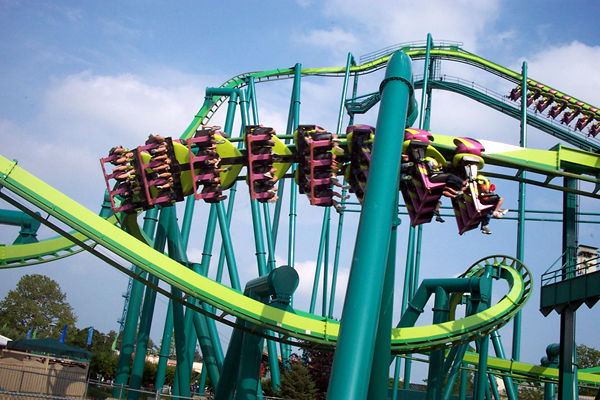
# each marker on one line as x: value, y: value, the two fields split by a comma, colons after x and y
x: 487, y: 196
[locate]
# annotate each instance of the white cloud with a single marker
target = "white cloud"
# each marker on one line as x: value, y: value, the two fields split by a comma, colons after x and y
x: 335, y: 39
x: 392, y: 21
x: 570, y: 68
x: 122, y: 105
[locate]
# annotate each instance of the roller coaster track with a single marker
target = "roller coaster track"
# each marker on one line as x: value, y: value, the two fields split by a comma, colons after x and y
x: 48, y: 250
x: 450, y: 52
x: 230, y: 302
x: 96, y: 234
x: 298, y: 325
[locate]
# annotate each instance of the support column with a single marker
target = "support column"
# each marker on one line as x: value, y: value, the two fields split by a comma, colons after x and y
x: 379, y: 383
x: 353, y: 357
x: 516, y: 342
x: 143, y: 336
x: 567, y: 379
x: 133, y: 314
x: 435, y: 376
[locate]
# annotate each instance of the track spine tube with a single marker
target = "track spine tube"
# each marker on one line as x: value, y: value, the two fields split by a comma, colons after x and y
x: 354, y: 353
x: 133, y: 313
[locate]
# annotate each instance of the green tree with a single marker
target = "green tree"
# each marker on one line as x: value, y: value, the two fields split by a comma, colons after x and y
x: 587, y: 357
x: 297, y: 384
x: 530, y: 391
x: 318, y: 361
x: 104, y: 365
x: 37, y: 303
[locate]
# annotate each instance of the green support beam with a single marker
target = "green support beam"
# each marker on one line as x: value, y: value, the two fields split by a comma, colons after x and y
x: 354, y: 353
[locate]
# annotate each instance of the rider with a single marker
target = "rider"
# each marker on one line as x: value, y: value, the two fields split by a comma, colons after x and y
x: 487, y: 196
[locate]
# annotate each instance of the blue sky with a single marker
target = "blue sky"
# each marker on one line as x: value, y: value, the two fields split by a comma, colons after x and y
x: 80, y: 77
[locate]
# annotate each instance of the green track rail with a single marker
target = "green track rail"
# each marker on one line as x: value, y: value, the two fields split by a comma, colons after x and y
x: 299, y: 325
x: 520, y: 370
x: 451, y: 52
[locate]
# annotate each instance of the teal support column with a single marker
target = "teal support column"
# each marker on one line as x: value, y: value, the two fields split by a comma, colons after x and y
x: 186, y: 225
x: 261, y: 254
x: 326, y: 263
x: 454, y: 371
x: 494, y: 387
x: 230, y: 202
x: 226, y: 386
x: 481, y: 383
x: 133, y: 313
x: 379, y: 382
x: 29, y: 225
x: 396, y: 379
x: 516, y: 344
x: 198, y: 325
x: 249, y: 366
x: 292, y: 123
x: 212, y: 354
x: 165, y: 347
x: 313, y: 298
x: 425, y: 92
x: 139, y: 360
x: 202, y: 382
x: 293, y: 186
x: 567, y: 378
x: 413, y: 256
x: 183, y: 368
x: 336, y: 259
x: 483, y: 302
x: 462, y: 391
x: 269, y: 234
x: 549, y: 391
x: 227, y: 246
x: 229, y: 214
x: 499, y: 350
x: 353, y: 357
x: 407, y: 291
x: 340, y: 225
x: 435, y: 376
x: 182, y: 374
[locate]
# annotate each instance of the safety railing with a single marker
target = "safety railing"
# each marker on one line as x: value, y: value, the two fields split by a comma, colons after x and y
x: 572, y: 271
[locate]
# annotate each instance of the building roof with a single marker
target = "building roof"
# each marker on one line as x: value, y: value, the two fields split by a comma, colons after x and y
x: 51, y: 347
